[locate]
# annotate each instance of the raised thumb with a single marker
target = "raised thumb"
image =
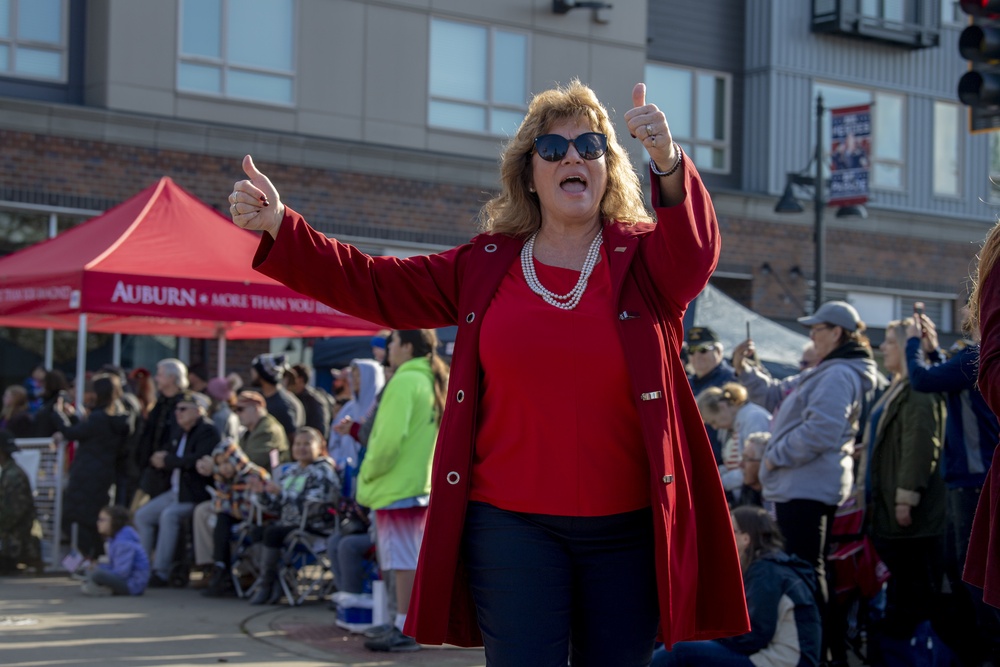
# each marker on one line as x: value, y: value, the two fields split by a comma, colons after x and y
x: 638, y: 96
x: 250, y: 169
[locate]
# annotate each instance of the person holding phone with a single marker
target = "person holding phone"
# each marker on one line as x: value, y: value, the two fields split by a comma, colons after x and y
x: 971, y: 434
x: 808, y: 465
x: 540, y: 490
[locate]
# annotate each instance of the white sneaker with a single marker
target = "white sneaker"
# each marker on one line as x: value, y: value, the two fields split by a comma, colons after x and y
x: 95, y: 590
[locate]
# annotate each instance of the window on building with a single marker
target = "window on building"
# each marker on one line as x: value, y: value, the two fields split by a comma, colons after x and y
x: 877, y: 310
x: 34, y: 39
x: 947, y: 121
x: 478, y: 77
x: 22, y: 228
x: 698, y: 105
x: 890, y: 11
x: 888, y: 158
x: 222, y: 52
x: 952, y: 14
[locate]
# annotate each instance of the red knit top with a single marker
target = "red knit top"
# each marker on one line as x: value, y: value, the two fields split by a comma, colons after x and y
x: 557, y: 431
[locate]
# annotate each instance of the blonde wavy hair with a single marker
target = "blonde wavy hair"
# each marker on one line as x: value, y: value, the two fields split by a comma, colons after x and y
x: 515, y: 210
x: 987, y: 259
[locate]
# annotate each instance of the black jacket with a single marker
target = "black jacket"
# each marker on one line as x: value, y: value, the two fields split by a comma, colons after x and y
x: 318, y: 414
x: 201, y: 440
x: 158, y: 432
x: 100, y: 438
x: 780, y: 594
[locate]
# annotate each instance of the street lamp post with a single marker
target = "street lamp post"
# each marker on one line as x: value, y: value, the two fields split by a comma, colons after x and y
x: 788, y: 204
x: 818, y: 206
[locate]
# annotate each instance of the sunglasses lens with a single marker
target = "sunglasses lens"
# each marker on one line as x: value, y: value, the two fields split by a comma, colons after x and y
x: 591, y: 145
x: 551, y: 147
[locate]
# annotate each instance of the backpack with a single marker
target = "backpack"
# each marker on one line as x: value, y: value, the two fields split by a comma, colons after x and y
x: 924, y: 649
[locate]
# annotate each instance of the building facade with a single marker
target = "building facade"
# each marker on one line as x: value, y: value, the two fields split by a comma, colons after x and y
x: 382, y: 121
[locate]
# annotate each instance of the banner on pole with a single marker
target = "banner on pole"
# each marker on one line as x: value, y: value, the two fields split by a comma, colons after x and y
x: 850, y: 151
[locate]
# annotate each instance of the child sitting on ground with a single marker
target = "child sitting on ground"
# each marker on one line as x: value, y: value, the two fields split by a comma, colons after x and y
x: 127, y: 570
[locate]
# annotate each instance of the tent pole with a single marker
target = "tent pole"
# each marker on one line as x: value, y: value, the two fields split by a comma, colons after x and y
x: 49, y: 333
x: 49, y: 348
x: 116, y: 349
x: 221, y: 365
x: 81, y: 361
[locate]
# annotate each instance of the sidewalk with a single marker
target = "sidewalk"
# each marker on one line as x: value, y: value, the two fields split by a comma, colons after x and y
x: 46, y: 621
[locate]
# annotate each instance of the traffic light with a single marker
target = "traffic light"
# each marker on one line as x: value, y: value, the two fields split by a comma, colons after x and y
x: 979, y: 88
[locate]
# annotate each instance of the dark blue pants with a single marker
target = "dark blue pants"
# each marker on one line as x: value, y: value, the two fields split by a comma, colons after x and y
x: 700, y: 654
x: 980, y: 619
x: 550, y: 587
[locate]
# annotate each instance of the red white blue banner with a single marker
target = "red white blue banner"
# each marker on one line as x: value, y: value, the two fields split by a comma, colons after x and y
x: 850, y: 155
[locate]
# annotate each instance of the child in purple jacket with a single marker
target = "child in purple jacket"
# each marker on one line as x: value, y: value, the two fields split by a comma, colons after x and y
x: 127, y: 570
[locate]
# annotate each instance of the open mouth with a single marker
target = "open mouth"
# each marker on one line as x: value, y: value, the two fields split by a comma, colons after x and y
x: 573, y: 184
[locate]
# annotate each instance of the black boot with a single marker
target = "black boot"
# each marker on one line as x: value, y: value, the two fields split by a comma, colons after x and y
x: 268, y: 588
x: 221, y: 583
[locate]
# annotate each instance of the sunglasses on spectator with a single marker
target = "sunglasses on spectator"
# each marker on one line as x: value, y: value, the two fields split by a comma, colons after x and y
x: 698, y: 349
x: 553, y: 147
x: 182, y: 408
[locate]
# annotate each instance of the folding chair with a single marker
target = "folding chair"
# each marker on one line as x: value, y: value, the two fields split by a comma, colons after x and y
x: 305, y: 568
x: 246, y: 554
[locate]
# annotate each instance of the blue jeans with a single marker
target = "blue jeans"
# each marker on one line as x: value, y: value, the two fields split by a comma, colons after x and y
x: 118, y: 585
x: 159, y: 523
x: 696, y: 654
x: 347, y: 560
x: 548, y: 588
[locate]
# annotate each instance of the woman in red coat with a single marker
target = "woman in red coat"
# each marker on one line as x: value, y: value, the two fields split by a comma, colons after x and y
x: 982, y: 564
x: 608, y: 507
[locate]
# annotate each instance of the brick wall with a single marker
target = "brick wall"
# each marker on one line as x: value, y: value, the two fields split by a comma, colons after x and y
x: 104, y: 171
x: 852, y: 257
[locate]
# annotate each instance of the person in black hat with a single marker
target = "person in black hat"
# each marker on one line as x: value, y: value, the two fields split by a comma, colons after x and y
x: 710, y: 370
x: 160, y: 521
x: 19, y: 530
x: 266, y: 373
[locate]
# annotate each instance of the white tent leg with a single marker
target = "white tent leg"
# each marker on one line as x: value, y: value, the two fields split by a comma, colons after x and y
x: 49, y: 347
x: 221, y: 366
x: 81, y: 361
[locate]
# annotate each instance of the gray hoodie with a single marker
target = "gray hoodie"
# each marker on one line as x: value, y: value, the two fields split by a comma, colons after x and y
x: 813, y: 431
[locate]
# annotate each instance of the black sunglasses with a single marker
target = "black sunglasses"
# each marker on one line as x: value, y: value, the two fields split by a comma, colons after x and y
x: 553, y: 147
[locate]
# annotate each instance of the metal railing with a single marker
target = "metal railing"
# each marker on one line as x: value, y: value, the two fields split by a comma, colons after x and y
x: 45, y: 463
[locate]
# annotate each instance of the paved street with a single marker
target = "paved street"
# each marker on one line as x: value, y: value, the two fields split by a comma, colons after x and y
x: 47, y: 622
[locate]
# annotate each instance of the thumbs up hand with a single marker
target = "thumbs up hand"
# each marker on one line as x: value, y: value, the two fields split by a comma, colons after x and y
x: 648, y: 124
x: 254, y: 204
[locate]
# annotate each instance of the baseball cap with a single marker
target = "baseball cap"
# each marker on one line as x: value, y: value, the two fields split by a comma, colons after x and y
x: 837, y: 313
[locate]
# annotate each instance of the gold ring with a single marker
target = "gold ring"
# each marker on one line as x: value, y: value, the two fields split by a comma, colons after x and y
x: 654, y: 139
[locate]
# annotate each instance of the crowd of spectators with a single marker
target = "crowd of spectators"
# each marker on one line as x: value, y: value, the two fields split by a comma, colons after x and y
x: 908, y: 441
x: 911, y: 442
x: 165, y: 466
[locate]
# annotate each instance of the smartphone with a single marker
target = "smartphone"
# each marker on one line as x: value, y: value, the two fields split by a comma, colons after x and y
x: 918, y: 313
x: 752, y: 355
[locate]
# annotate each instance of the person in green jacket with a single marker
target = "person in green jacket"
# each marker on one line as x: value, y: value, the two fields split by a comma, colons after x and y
x: 263, y: 439
x: 906, y: 493
x: 395, y: 475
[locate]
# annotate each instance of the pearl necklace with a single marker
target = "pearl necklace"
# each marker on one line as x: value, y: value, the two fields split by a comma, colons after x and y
x: 569, y: 300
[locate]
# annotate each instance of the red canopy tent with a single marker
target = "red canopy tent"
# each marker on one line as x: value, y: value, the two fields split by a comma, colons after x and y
x: 163, y: 263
